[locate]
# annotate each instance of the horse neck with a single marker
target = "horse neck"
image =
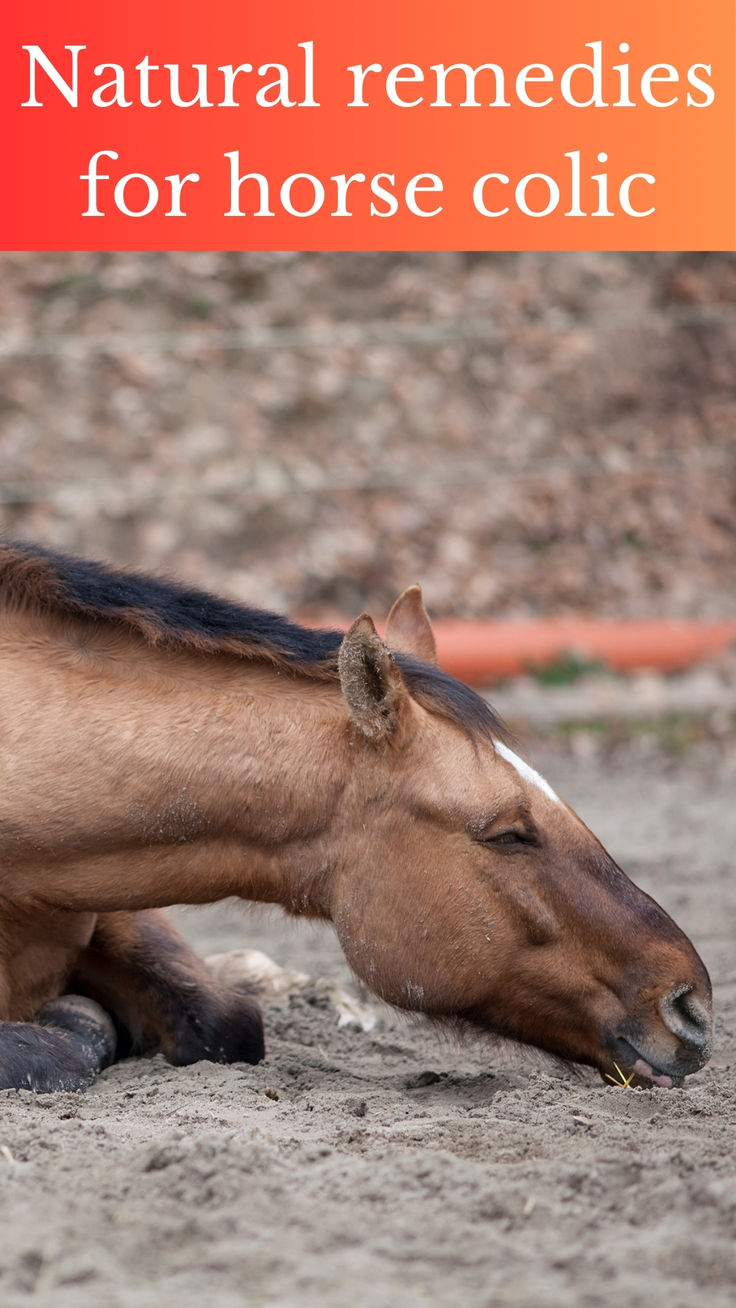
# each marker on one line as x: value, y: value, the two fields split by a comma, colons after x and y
x: 269, y: 772
x: 186, y: 778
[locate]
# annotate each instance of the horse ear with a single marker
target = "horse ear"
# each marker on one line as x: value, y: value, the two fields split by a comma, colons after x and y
x: 371, y: 682
x: 408, y: 628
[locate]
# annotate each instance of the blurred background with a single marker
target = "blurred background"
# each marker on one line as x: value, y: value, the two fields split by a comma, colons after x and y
x: 526, y: 434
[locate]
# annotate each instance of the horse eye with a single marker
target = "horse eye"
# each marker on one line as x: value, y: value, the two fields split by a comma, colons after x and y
x: 510, y: 839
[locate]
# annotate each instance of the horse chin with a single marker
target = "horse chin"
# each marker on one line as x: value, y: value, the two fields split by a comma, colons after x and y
x: 631, y: 1068
x: 642, y: 1076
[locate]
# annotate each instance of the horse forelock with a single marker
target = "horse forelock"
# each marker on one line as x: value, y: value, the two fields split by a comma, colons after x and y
x: 163, y: 613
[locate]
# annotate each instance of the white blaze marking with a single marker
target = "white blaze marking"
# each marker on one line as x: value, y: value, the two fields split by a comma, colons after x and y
x: 525, y: 771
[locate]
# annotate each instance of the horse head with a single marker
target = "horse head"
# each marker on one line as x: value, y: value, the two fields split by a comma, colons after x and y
x: 473, y: 892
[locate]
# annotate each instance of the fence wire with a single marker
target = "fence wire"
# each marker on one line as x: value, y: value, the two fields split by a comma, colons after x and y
x: 352, y: 335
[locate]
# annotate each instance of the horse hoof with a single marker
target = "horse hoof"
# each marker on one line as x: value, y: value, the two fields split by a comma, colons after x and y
x: 87, y: 1023
x: 69, y: 1043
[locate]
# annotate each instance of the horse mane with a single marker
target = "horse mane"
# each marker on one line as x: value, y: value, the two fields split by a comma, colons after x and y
x: 168, y: 614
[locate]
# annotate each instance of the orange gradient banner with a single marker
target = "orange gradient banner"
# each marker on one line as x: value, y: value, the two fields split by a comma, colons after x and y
x: 409, y: 125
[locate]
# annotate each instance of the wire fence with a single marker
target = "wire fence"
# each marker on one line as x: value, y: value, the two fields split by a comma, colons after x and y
x: 352, y: 335
x: 716, y: 456
x: 441, y: 478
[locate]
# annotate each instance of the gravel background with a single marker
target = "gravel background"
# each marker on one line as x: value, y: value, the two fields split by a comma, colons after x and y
x: 524, y: 433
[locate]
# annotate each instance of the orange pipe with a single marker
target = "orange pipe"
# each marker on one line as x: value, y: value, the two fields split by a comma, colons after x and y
x: 482, y: 652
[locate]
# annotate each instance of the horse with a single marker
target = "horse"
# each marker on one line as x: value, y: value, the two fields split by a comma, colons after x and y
x: 162, y: 745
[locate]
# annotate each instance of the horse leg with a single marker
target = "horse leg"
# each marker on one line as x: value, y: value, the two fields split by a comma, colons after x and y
x: 70, y: 1039
x: 162, y: 997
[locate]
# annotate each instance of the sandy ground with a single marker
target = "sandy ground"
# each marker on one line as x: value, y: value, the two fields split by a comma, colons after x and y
x: 395, y: 1168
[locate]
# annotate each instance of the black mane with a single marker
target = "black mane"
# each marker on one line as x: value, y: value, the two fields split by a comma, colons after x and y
x: 166, y: 612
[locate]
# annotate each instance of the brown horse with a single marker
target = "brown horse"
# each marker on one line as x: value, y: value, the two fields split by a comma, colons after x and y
x: 160, y: 745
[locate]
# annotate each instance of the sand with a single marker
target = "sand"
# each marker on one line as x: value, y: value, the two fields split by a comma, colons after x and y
x: 357, y: 1170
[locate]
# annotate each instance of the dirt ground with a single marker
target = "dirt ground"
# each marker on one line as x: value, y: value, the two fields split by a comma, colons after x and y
x: 394, y: 1168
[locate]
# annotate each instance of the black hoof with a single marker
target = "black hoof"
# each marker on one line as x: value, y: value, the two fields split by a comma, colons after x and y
x: 86, y: 1022
x: 72, y: 1041
x: 230, y: 1031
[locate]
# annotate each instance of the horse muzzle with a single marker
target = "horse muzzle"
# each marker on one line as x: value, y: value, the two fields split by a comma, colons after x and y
x: 680, y: 1045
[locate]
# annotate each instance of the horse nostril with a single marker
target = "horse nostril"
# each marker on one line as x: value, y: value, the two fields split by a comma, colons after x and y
x: 686, y: 1017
